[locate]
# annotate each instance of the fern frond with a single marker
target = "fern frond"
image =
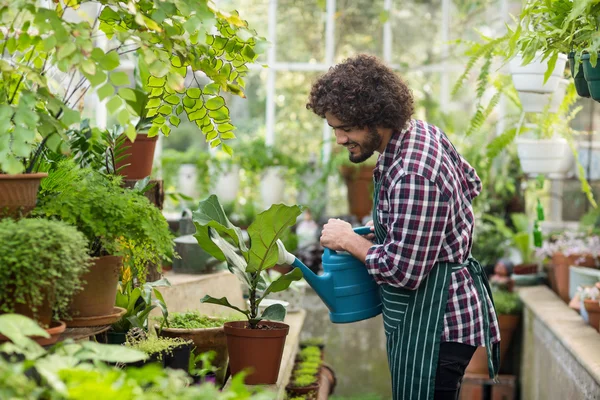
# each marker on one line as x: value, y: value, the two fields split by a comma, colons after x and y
x: 500, y: 142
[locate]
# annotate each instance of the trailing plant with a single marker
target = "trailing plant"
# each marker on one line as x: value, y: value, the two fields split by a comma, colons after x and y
x: 115, y: 220
x: 304, y: 380
x: 193, y: 320
x: 310, y: 352
x: 41, y: 48
x: 40, y: 260
x: 154, y: 345
x: 306, y: 370
x: 139, y: 302
x: 507, y: 303
x: 224, y: 241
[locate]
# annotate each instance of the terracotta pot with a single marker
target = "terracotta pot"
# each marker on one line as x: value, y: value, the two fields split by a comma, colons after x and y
x: 100, y: 290
x: 359, y: 182
x: 259, y: 350
x: 55, y: 330
x: 525, y: 269
x: 508, y: 326
x: 140, y: 155
x: 18, y: 193
x: 205, y: 339
x: 43, y: 316
x: 327, y: 382
x: 593, y: 309
x: 561, y: 271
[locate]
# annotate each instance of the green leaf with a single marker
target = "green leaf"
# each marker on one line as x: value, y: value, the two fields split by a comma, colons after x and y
x: 225, y: 127
x: 283, y: 282
x: 119, y: 78
x: 211, y: 222
x: 227, y: 136
x: 109, y: 353
x: 189, y: 102
x: 221, y: 302
x: 196, y: 115
x: 174, y: 120
x: 127, y: 94
x: 165, y: 109
x: 153, y: 103
x: 109, y: 61
x: 66, y: 50
x: 17, y: 327
x: 215, y: 103
x: 211, y: 88
x: 124, y: 117
x: 194, y: 93
x: 172, y: 99
x: 165, y: 129
x: 275, y: 312
x: 114, y: 104
x: 105, y: 91
x: 227, y: 149
x: 88, y: 66
x: 70, y: 117
x: 96, y: 79
x: 154, y: 82
x: 264, y: 232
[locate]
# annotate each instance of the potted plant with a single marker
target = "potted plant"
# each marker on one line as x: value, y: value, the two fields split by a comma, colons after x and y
x: 41, y: 267
x: 170, y: 352
x: 508, y: 307
x: 303, y: 385
x: 258, y: 342
x: 121, y: 226
x: 205, y: 332
x: 313, y: 341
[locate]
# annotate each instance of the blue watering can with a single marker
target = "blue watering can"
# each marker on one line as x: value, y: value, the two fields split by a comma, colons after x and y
x: 345, y: 287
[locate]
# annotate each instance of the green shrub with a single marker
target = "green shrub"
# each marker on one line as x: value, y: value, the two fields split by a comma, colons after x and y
x: 40, y: 258
x: 115, y: 220
x: 310, y: 364
x: 304, y: 370
x: 507, y: 302
x: 195, y: 320
x: 304, y: 380
x: 157, y: 345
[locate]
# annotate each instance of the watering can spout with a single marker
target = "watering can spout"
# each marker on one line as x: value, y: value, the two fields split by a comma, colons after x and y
x: 322, y: 284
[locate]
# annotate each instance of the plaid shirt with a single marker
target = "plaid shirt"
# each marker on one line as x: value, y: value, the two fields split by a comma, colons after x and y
x: 425, y: 205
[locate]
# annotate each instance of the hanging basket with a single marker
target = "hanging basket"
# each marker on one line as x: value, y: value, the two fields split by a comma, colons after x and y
x: 537, y: 102
x: 530, y: 77
x: 544, y: 156
x: 581, y: 84
x: 592, y: 76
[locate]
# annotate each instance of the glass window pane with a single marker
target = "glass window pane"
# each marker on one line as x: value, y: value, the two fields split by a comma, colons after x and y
x: 358, y: 28
x: 301, y: 31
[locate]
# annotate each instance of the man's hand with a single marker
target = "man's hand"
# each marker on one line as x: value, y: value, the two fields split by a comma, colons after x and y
x: 336, y: 234
x: 370, y: 236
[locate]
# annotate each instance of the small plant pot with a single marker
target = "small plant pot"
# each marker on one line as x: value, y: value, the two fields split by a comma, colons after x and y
x: 179, y: 357
x: 152, y: 358
x: 562, y: 265
x: 581, y: 84
x: 18, y: 193
x: 111, y: 337
x: 592, y: 307
x: 139, y: 156
x: 592, y: 76
x: 359, y: 182
x: 258, y: 350
x: 98, y: 295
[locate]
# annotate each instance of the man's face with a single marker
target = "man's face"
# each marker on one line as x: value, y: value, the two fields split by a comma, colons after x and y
x: 360, y: 142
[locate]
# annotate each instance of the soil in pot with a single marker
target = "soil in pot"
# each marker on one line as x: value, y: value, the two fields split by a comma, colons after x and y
x: 259, y: 350
x: 593, y: 309
x: 18, y: 193
x: 179, y: 357
x: 308, y: 392
x: 140, y: 155
x: 100, y: 290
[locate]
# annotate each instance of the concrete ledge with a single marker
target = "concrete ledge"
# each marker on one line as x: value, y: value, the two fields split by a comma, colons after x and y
x: 561, y: 353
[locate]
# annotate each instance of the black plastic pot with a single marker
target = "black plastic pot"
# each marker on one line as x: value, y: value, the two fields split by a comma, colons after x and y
x: 179, y: 357
x: 154, y: 358
x: 111, y: 337
x: 581, y: 83
x: 592, y: 76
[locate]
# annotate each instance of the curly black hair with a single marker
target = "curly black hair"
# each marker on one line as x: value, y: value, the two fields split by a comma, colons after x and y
x: 363, y: 92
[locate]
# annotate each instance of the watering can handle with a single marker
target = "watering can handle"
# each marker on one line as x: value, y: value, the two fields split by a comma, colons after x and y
x: 363, y: 230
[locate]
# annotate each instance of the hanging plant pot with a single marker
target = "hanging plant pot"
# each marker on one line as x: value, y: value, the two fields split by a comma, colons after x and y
x: 592, y: 76
x: 544, y: 156
x: 98, y: 295
x: 228, y: 185
x: 259, y: 350
x: 359, y: 181
x: 139, y: 156
x: 18, y: 193
x: 537, y: 102
x: 272, y: 186
x: 581, y: 84
x: 530, y: 77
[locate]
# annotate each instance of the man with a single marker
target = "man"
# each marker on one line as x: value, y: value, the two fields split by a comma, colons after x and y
x: 437, y: 305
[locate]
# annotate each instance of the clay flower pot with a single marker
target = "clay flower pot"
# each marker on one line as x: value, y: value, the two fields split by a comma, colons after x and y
x: 139, y: 156
x: 593, y: 309
x: 259, y: 350
x: 18, y: 193
x: 562, y: 264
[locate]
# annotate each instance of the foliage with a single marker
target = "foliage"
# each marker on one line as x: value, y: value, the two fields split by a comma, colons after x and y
x: 115, y: 220
x: 518, y: 235
x: 43, y: 47
x: 218, y: 237
x: 40, y: 259
x: 304, y: 380
x: 74, y: 371
x: 571, y: 243
x: 139, y: 303
x: 507, y: 303
x: 194, y: 320
x: 256, y: 156
x: 313, y: 341
x: 156, y: 345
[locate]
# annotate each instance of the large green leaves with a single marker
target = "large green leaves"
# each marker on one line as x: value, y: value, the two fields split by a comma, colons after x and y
x: 222, y: 302
x: 264, y: 232
x: 210, y: 214
x: 275, y: 312
x: 283, y: 282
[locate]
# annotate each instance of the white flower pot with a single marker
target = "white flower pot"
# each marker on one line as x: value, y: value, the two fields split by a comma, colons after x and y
x: 530, y: 78
x: 544, y: 156
x: 537, y: 102
x: 227, y: 185
x: 272, y: 186
x: 187, y: 178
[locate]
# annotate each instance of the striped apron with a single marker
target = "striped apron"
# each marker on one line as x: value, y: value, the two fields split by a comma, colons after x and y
x: 414, y: 320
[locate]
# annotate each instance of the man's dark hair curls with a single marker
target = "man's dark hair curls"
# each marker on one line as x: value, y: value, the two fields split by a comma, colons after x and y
x: 363, y: 92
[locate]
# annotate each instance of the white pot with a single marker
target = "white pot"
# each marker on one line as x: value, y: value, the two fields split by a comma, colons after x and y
x: 544, y: 156
x: 272, y: 186
x: 227, y: 185
x: 187, y: 178
x: 537, y: 102
x: 530, y: 77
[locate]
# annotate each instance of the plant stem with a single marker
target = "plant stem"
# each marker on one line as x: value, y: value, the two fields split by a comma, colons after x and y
x: 20, y: 80
x: 37, y: 154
